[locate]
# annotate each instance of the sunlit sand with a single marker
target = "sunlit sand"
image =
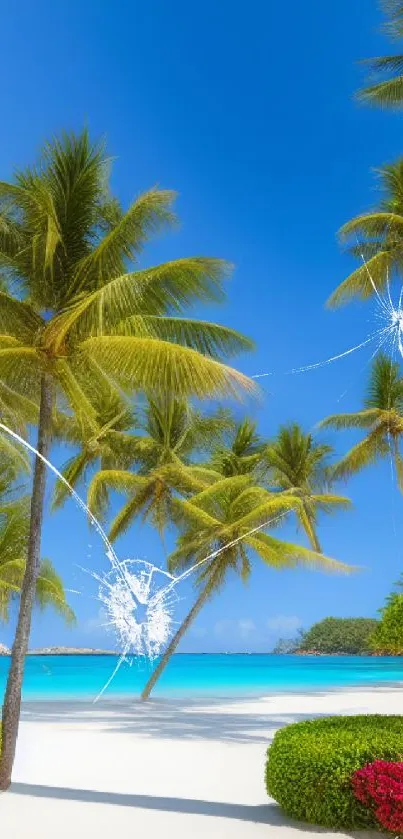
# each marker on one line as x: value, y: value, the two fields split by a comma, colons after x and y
x: 185, y: 769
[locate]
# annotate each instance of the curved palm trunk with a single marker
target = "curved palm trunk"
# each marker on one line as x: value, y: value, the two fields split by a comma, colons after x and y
x: 12, y: 700
x: 201, y: 600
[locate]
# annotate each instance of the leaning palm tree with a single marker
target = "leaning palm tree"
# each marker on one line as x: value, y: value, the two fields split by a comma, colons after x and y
x: 381, y: 418
x: 81, y: 309
x: 376, y: 239
x: 386, y: 86
x: 222, y: 528
x: 299, y: 465
x: 173, y: 433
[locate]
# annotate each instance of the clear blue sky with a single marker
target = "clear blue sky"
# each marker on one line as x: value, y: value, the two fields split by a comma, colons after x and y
x: 247, y: 111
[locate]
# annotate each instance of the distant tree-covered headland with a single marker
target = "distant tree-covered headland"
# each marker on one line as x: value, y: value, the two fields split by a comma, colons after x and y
x: 334, y: 636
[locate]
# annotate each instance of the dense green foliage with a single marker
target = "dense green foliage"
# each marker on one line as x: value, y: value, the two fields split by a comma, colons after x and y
x: 388, y: 636
x: 299, y: 465
x: 339, y: 635
x: 380, y: 418
x: 385, y: 76
x: 310, y: 765
x: 14, y: 525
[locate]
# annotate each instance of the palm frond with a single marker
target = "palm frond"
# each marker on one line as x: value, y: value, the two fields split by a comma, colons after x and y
x: 359, y: 419
x: 359, y: 284
x: 147, y: 215
x: 115, y: 480
x: 269, y: 512
x: 363, y: 454
x: 73, y: 471
x: 20, y: 370
x: 50, y: 592
x: 161, y: 290
x: 188, y: 512
x: 155, y: 366
x: 18, y: 319
x: 210, y: 339
x: 280, y: 554
x: 83, y: 409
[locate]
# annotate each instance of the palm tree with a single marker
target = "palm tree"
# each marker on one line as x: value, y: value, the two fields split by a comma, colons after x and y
x: 381, y: 418
x: 299, y: 465
x: 173, y: 433
x: 242, y: 452
x: 81, y: 310
x: 14, y: 520
x: 376, y: 239
x: 387, y: 92
x: 112, y: 445
x: 222, y: 527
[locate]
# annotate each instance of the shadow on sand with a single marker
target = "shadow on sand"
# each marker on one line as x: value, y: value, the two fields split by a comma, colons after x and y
x: 191, y: 719
x: 269, y: 814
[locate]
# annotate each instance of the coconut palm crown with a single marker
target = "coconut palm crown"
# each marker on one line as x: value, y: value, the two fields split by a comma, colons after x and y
x: 381, y: 418
x: 375, y: 238
x: 385, y: 86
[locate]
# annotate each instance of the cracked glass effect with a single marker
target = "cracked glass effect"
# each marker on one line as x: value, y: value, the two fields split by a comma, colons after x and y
x: 389, y: 336
x: 139, y: 606
x: 138, y: 597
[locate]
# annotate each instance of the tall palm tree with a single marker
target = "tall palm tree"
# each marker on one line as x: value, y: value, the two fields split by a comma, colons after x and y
x: 299, y: 465
x: 173, y: 433
x: 219, y: 529
x: 386, y: 87
x: 381, y: 418
x: 242, y: 450
x: 376, y: 239
x: 80, y: 309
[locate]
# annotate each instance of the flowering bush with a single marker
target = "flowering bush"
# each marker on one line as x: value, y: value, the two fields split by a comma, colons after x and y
x: 379, y: 785
x: 310, y: 765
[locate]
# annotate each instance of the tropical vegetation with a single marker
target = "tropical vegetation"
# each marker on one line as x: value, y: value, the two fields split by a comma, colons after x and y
x: 375, y: 239
x: 300, y: 465
x: 385, y: 86
x: 14, y: 519
x: 388, y: 636
x: 311, y: 767
x: 172, y: 434
x: 381, y: 417
x: 335, y: 636
x: 76, y: 310
x: 99, y: 353
x: 223, y: 528
x: 346, y: 772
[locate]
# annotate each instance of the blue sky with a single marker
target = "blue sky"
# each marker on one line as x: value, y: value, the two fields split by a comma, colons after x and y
x: 246, y: 111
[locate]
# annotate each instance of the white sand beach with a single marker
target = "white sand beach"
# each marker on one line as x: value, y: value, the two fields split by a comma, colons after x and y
x: 184, y: 769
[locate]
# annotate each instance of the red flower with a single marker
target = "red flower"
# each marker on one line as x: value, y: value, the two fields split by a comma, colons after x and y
x: 379, y: 785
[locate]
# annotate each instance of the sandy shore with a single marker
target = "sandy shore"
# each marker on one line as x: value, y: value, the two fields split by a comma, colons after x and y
x: 182, y: 770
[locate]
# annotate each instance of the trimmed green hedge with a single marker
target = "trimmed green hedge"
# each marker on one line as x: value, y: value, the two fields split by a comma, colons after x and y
x: 310, y: 765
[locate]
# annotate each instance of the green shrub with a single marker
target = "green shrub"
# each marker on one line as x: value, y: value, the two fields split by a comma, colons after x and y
x: 310, y: 764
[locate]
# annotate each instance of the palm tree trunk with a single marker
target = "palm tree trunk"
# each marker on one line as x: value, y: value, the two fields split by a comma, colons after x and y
x: 201, y: 600
x: 12, y: 700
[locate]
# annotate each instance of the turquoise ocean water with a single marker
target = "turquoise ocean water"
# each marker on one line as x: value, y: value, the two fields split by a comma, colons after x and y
x: 82, y: 677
